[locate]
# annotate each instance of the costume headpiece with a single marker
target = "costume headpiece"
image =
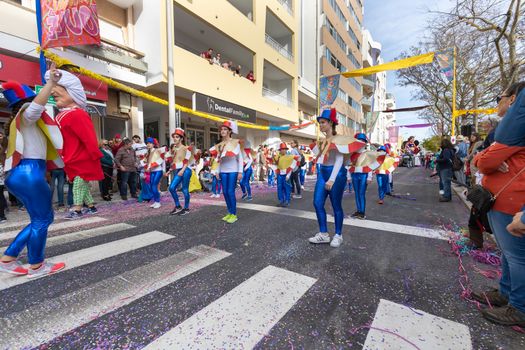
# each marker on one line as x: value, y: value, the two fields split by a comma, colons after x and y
x: 150, y: 140
x: 283, y: 145
x: 361, y: 136
x: 330, y: 115
x: 73, y: 86
x: 230, y: 124
x: 15, y: 92
x: 180, y: 132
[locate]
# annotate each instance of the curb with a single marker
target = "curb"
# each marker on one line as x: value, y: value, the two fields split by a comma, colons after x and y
x: 460, y: 193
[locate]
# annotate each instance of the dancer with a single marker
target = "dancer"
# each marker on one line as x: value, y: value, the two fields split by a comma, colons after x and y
x: 182, y: 160
x: 247, y: 172
x: 361, y: 177
x: 331, y: 177
x: 216, y: 186
x: 228, y: 153
x: 382, y: 173
x: 286, y: 165
x: 153, y: 168
x: 34, y: 139
x: 81, y: 153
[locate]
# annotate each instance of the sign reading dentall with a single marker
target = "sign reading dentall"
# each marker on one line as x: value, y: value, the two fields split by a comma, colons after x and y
x: 222, y: 108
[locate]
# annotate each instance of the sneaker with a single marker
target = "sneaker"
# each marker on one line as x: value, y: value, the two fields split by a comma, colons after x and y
x: 286, y: 204
x: 91, y: 210
x: 361, y: 216
x: 151, y: 206
x: 156, y: 205
x: 441, y: 192
x: 302, y: 187
x: 226, y: 217
x: 297, y: 196
x: 176, y: 210
x: 73, y: 215
x: 380, y: 201
x: 13, y: 267
x: 232, y: 219
x: 444, y: 199
x: 505, y: 316
x: 2, y: 220
x: 355, y: 215
x: 320, y: 238
x: 124, y: 198
x: 280, y: 204
x: 244, y: 196
x: 336, y: 241
x: 46, y: 268
x: 212, y: 195
x: 183, y: 212
x: 491, y: 296
x: 249, y: 199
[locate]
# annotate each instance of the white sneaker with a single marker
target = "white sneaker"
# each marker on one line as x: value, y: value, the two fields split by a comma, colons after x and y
x: 336, y: 241
x: 217, y: 196
x: 212, y: 195
x: 320, y: 238
x: 153, y: 205
x: 441, y: 192
x: 156, y: 205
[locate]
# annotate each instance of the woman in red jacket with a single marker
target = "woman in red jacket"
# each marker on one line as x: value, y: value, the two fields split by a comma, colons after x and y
x: 502, y: 165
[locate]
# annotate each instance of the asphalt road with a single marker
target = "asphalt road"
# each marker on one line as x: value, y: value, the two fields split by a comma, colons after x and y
x: 138, y: 277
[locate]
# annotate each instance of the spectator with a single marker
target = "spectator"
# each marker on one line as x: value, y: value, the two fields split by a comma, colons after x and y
x: 295, y: 182
x: 207, y: 54
x: 205, y: 178
x: 216, y: 60
x: 117, y: 144
x: 127, y: 164
x: 444, y: 162
x: 107, y: 163
x: 462, y: 153
x: 226, y: 65
x: 502, y: 166
x: 58, y: 178
x: 250, y: 76
x: 238, y: 70
x: 475, y: 145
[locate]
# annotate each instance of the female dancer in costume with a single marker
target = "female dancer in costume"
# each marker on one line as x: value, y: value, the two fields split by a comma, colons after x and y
x: 228, y: 153
x: 286, y: 165
x: 331, y: 178
x: 360, y: 180
x: 153, y: 168
x: 216, y: 186
x: 383, y: 185
x: 182, y: 160
x: 34, y: 139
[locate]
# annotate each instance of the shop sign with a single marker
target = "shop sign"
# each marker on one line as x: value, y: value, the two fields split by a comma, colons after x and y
x: 222, y: 108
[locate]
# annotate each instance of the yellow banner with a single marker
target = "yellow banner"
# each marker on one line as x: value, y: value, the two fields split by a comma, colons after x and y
x: 399, y: 64
x: 475, y: 111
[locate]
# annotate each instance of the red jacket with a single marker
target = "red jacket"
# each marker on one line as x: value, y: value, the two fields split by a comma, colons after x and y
x: 80, y: 152
x: 512, y: 199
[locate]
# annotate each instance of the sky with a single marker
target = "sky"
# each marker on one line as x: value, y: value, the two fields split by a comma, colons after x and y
x: 398, y: 25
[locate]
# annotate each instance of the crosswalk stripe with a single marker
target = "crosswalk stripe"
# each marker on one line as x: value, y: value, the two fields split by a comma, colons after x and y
x: 423, y: 330
x: 90, y: 233
x: 58, y: 226
x: 243, y: 316
x: 77, y: 308
x: 370, y: 224
x: 10, y: 224
x: 95, y: 253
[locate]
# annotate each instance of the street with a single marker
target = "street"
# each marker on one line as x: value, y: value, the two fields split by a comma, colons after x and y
x: 136, y: 277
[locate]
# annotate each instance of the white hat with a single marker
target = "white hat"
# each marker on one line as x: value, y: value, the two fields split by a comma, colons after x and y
x: 73, y: 86
x: 232, y: 125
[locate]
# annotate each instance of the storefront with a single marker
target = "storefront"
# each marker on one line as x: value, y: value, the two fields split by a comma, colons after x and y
x: 28, y: 73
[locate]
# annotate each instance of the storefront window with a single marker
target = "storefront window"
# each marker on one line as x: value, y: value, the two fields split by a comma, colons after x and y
x: 215, y: 137
x: 151, y: 129
x: 196, y: 136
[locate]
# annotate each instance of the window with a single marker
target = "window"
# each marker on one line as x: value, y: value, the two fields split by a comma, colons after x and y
x: 111, y: 32
x: 338, y: 11
x: 342, y: 95
x: 354, y: 104
x: 334, y: 61
x: 341, y: 118
x: 354, y: 38
x: 333, y: 32
x: 354, y: 15
x: 355, y: 84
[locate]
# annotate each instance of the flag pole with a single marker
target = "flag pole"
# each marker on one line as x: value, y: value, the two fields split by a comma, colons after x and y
x: 454, y: 96
x: 42, y: 60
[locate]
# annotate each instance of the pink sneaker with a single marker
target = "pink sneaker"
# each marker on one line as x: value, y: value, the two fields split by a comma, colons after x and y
x: 46, y: 268
x: 13, y: 267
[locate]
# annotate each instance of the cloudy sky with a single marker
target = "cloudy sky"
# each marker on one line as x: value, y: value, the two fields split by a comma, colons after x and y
x: 397, y: 25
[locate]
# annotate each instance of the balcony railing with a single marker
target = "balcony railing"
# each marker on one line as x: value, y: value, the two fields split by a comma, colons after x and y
x: 287, y: 5
x: 278, y: 47
x: 272, y: 95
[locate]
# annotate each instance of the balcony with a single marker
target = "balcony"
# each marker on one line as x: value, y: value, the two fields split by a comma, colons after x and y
x: 244, y: 6
x: 277, y: 85
x: 278, y: 36
x: 366, y: 101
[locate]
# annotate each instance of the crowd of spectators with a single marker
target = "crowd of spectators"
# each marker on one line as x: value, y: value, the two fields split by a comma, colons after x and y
x: 236, y: 69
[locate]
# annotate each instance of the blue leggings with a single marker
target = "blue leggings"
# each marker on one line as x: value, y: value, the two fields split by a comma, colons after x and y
x: 271, y: 177
x: 383, y: 186
x: 284, y: 189
x: 145, y: 190
x: 245, y: 182
x: 216, y: 185
x: 302, y: 176
x: 154, y: 180
x: 27, y: 181
x: 359, y: 183
x: 185, y: 180
x: 229, y: 180
x: 336, y: 197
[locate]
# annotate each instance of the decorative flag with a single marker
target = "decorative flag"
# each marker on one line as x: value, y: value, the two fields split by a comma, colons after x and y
x: 445, y: 60
x: 329, y: 87
x: 395, y: 65
x: 69, y: 23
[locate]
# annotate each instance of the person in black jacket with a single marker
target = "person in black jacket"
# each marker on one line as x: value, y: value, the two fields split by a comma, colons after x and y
x: 444, y: 164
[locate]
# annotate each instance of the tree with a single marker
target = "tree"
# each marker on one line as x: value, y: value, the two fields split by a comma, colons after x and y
x: 432, y: 143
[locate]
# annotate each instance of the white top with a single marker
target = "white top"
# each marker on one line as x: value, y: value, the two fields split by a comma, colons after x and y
x: 247, y: 160
x: 231, y: 164
x: 334, y: 159
x: 35, y: 143
x: 140, y: 149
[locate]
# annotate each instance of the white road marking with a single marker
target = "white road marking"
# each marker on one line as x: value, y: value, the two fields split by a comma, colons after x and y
x: 79, y: 307
x: 90, y: 233
x: 92, y: 254
x: 370, y: 224
x: 243, y: 316
x: 424, y: 330
x: 58, y: 226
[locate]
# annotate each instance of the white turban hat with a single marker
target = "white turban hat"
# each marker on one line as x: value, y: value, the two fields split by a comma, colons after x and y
x: 73, y: 87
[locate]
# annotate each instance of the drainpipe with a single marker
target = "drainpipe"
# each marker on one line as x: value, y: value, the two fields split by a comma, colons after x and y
x: 171, y: 79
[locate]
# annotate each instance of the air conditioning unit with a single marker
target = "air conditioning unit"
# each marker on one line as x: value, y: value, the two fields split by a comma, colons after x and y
x: 124, y: 102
